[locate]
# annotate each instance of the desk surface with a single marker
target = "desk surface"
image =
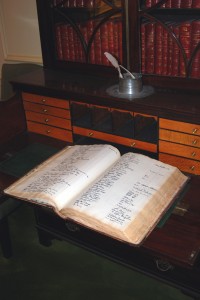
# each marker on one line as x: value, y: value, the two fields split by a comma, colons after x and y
x: 178, y: 241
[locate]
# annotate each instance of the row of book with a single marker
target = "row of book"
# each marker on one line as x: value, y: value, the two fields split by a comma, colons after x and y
x: 86, y: 47
x: 77, y: 3
x: 171, y: 53
x: 174, y: 3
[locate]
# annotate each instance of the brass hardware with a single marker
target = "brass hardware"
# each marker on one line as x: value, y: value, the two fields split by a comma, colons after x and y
x: 133, y: 144
x: 46, y: 120
x: 43, y: 100
x: 48, y: 131
x: 194, y: 142
x: 193, y: 154
x: 163, y: 265
x: 44, y: 110
x: 181, y: 209
x: 192, y: 168
x: 90, y: 133
x: 195, y: 130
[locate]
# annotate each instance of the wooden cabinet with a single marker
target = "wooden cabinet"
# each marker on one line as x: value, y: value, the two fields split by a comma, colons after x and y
x: 48, y: 116
x: 179, y: 145
x: 159, y: 38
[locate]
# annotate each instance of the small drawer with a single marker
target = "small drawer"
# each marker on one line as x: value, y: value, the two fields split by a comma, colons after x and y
x: 58, y: 133
x: 45, y: 100
x: 48, y: 120
x: 48, y: 110
x: 184, y: 164
x: 180, y: 126
x: 180, y: 138
x: 179, y: 150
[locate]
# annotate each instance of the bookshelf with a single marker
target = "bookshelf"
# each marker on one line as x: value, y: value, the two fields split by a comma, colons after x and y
x: 159, y: 38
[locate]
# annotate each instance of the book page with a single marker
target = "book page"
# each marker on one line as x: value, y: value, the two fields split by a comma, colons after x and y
x: 65, y: 175
x: 122, y: 193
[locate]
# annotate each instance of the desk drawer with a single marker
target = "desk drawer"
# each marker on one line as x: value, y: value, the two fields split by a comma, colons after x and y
x: 180, y: 126
x: 39, y: 99
x: 179, y: 150
x: 184, y: 164
x: 51, y: 131
x: 180, y: 138
x: 48, y: 120
x: 45, y: 109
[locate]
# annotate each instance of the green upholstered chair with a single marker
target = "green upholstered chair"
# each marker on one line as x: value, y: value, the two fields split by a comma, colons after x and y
x: 9, y: 205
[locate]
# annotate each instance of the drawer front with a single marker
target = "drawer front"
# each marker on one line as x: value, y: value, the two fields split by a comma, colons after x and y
x: 45, y: 100
x: 180, y: 126
x: 48, y: 110
x: 180, y: 138
x: 58, y: 133
x: 184, y: 164
x: 48, y: 120
x: 179, y: 150
x: 115, y: 139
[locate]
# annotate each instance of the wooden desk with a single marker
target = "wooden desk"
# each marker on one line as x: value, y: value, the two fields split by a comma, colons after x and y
x: 170, y: 253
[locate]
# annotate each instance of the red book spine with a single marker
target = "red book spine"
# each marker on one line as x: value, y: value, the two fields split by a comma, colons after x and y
x: 72, y: 3
x: 158, y: 48
x: 176, y: 3
x: 120, y: 42
x: 115, y: 39
x: 83, y: 29
x: 80, y: 3
x: 170, y: 51
x: 143, y: 48
x: 110, y: 28
x: 148, y: 3
x: 176, y: 53
x: 71, y: 46
x: 58, y: 42
x: 97, y: 48
x: 186, y: 4
x: 195, y: 72
x: 165, y: 52
x: 104, y: 43
x: 185, y: 39
x: 168, y: 4
x: 150, y: 47
x: 196, y: 4
x: 65, y: 41
x: 90, y: 28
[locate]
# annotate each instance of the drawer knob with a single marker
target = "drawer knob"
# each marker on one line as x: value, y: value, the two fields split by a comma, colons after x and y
x: 195, y: 130
x: 133, y: 144
x: 192, y: 168
x: 44, y: 110
x: 193, y: 154
x: 43, y: 100
x: 194, y: 142
x: 91, y: 134
x: 46, y: 120
x: 48, y: 131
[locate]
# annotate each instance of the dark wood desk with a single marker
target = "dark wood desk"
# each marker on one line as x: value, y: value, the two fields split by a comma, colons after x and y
x: 169, y: 254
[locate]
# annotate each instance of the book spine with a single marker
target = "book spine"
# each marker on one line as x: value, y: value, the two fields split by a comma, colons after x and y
x: 158, y: 48
x: 143, y: 48
x: 196, y: 4
x: 195, y: 72
x: 104, y: 43
x: 120, y: 41
x: 168, y: 4
x: 97, y: 48
x: 90, y: 28
x: 186, y: 4
x: 80, y: 3
x: 58, y: 42
x: 185, y: 39
x: 165, y: 52
x: 110, y: 29
x: 176, y: 52
x: 170, y: 51
x: 176, y: 3
x: 70, y: 32
x: 148, y: 3
x: 150, y: 48
x: 65, y: 41
x: 115, y: 40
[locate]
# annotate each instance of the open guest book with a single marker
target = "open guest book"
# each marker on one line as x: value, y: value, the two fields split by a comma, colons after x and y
x: 120, y: 196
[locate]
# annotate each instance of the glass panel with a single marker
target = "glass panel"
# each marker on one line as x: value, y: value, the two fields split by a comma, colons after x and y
x: 146, y: 128
x: 122, y: 123
x: 81, y: 115
x: 101, y: 119
x: 85, y: 29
